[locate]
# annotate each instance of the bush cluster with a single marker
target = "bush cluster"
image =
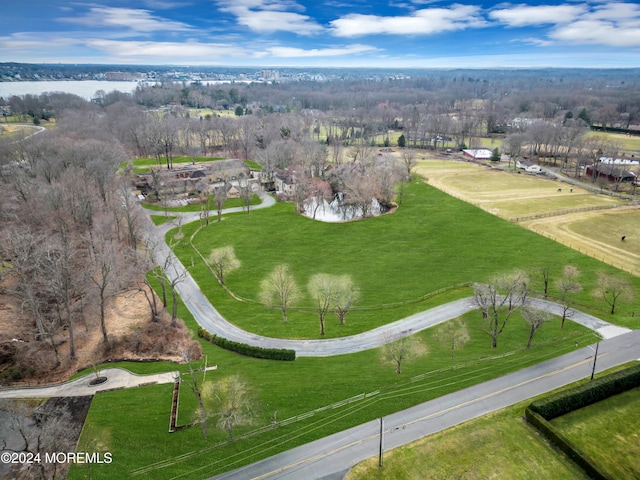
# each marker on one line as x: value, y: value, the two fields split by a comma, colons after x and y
x: 248, y: 350
x: 587, y: 394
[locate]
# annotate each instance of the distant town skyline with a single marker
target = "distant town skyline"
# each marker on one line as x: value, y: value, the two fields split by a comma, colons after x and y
x: 337, y: 33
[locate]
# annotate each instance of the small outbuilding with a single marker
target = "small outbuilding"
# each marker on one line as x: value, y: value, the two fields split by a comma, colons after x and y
x: 478, y: 154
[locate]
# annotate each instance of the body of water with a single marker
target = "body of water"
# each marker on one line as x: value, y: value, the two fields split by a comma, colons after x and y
x: 83, y: 88
x: 337, y: 211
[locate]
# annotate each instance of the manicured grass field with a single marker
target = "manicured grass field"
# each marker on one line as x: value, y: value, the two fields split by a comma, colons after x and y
x: 160, y: 219
x: 607, y: 431
x: 230, y: 203
x: 432, y: 242
x: 120, y: 421
x: 143, y: 165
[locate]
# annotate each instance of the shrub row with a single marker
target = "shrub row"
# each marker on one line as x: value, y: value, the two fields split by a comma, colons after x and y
x: 248, y: 350
x: 587, y: 394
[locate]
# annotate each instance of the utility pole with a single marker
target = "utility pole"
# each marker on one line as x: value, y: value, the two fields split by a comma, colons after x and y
x: 381, y: 442
x: 595, y: 357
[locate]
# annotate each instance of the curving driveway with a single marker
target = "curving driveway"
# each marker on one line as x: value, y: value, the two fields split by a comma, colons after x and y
x: 210, y: 319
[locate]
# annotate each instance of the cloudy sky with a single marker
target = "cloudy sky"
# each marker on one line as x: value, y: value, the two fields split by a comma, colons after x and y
x: 357, y: 33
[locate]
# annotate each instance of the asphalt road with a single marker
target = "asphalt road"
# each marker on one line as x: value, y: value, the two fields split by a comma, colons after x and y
x: 332, y: 457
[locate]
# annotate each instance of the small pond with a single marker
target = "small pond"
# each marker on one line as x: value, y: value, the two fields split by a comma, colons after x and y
x: 336, y: 211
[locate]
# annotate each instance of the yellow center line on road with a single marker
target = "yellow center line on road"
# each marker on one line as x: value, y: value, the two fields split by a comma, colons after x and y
x: 426, y: 417
x: 498, y: 392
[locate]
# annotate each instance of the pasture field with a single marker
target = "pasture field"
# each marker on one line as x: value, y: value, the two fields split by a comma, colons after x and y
x: 596, y: 233
x: 630, y: 143
x: 607, y: 431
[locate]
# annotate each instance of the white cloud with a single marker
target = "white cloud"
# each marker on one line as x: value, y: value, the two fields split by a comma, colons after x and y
x: 421, y: 22
x: 291, y: 52
x: 168, y: 51
x: 599, y: 32
x: 612, y: 24
x: 267, y: 16
x: 524, y: 15
x: 140, y: 21
x: 28, y: 42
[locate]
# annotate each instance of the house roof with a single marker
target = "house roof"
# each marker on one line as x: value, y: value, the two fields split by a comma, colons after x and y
x: 481, y: 153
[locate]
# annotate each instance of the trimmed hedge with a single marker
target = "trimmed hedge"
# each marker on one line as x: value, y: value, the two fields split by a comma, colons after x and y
x: 248, y: 350
x: 555, y: 437
x: 539, y: 413
x: 587, y: 394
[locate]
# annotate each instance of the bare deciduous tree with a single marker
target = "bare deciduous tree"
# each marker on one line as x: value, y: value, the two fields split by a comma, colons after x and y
x: 544, y: 272
x: 345, y: 296
x: 401, y: 350
x: 195, y: 381
x: 279, y: 288
x: 568, y: 286
x: 220, y: 198
x: 103, y: 275
x: 322, y: 288
x: 409, y: 160
x: 454, y: 332
x: 246, y: 194
x: 235, y: 404
x: 499, y: 298
x: 535, y: 318
x: 613, y: 290
x: 222, y: 261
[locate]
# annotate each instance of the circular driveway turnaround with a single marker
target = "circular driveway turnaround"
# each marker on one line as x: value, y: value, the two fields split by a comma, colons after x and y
x: 211, y: 320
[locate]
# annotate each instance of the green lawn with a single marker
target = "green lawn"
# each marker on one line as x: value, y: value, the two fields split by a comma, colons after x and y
x: 120, y: 420
x: 432, y: 242
x: 607, y: 431
x: 230, y: 203
x: 144, y: 164
x: 500, y: 445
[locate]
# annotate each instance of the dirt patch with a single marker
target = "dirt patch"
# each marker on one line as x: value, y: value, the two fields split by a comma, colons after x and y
x: 131, y: 334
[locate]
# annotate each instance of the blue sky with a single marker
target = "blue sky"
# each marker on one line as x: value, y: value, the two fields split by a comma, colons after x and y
x: 337, y: 33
